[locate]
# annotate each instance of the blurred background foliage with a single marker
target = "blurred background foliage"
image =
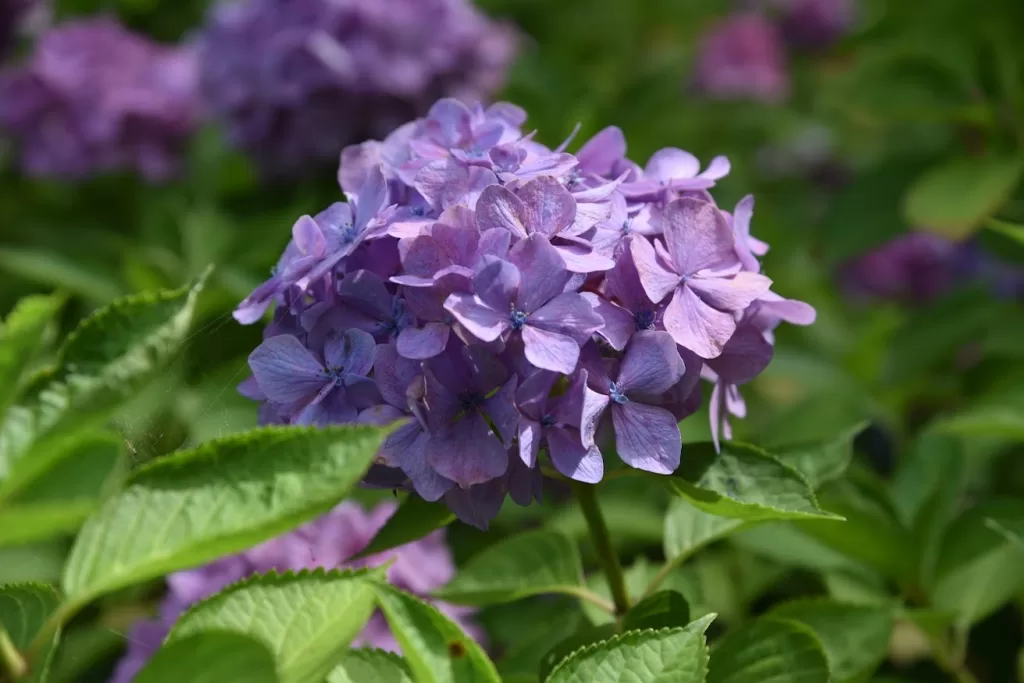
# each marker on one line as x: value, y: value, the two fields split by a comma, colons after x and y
x: 914, y: 119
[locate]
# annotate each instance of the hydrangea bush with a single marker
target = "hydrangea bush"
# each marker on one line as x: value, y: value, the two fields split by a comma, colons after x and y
x: 505, y: 299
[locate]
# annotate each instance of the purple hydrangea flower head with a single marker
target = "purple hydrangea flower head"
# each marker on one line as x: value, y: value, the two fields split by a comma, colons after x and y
x: 914, y: 268
x: 328, y: 542
x: 94, y: 97
x: 742, y: 57
x: 296, y: 80
x: 507, y: 304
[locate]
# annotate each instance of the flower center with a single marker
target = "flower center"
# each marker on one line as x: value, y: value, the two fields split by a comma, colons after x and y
x: 616, y: 394
x: 644, y: 320
x: 471, y: 400
x: 348, y: 233
x: 548, y: 420
x: 517, y: 318
x: 334, y: 373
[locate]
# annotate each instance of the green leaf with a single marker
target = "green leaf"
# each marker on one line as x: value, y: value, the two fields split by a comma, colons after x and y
x: 671, y: 655
x: 24, y: 608
x: 104, y: 361
x: 1000, y: 414
x: 21, y: 336
x: 307, y: 620
x: 769, y: 650
x: 1010, y: 529
x: 664, y: 609
x: 53, y: 269
x: 211, y: 657
x: 789, y: 546
x: 87, y: 465
x: 365, y: 665
x: 222, y: 497
x: 527, y: 564
x: 855, y: 637
x: 585, y: 636
x: 414, y: 519
x: 38, y: 521
x: 821, y: 462
x: 954, y: 198
x: 688, y: 529
x: 435, y: 648
x: 1014, y: 232
x: 978, y: 568
x: 743, y: 482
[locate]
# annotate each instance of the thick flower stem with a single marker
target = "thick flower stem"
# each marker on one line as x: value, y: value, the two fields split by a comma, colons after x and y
x: 586, y: 494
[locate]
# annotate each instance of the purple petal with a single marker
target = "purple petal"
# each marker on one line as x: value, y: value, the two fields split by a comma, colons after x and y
x: 250, y: 389
x: 550, y: 207
x: 333, y: 408
x: 647, y: 437
x: 449, y: 120
x: 479, y: 319
x: 477, y: 505
x: 308, y: 237
x: 501, y: 410
x: 497, y: 283
x: 581, y: 407
x: 772, y: 308
x: 697, y: 236
x: 657, y: 280
x: 618, y: 324
x: 571, y: 458
x: 394, y: 374
x: 352, y: 351
x: 406, y: 448
x: 541, y: 271
x: 356, y: 161
x: 423, y: 256
x: 425, y: 342
x: 532, y: 393
x: 365, y: 292
x: 285, y: 370
x: 717, y: 169
x: 697, y: 326
x: 583, y: 259
x: 651, y: 364
x: 467, y: 453
x: 599, y: 154
x: 671, y: 163
x: 745, y: 356
x: 529, y: 441
x: 373, y: 196
x: 568, y: 314
x: 550, y: 350
x: 380, y: 415
x: 715, y: 414
x: 733, y: 293
x: 497, y: 207
x: 524, y: 483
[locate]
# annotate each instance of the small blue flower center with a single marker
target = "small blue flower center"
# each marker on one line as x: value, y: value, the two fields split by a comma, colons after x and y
x: 348, y: 233
x: 471, y: 400
x: 419, y: 212
x: 644, y: 320
x: 517, y: 318
x: 616, y: 394
x: 447, y: 318
x: 626, y: 226
x: 334, y: 373
x: 548, y: 420
x: 397, y: 322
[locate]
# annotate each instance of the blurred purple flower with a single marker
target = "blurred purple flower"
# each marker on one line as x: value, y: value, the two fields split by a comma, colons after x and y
x: 815, y: 24
x: 523, y: 304
x: 296, y: 80
x: 742, y: 57
x: 914, y: 268
x: 94, y: 97
x: 418, y: 567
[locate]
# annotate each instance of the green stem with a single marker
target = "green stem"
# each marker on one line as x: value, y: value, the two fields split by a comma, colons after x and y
x: 13, y: 662
x: 586, y: 494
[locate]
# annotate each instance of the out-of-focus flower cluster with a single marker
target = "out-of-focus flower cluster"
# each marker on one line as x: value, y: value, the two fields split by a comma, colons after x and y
x: 328, y: 542
x: 504, y: 299
x: 95, y: 97
x: 294, y: 81
x: 920, y: 266
x: 743, y: 56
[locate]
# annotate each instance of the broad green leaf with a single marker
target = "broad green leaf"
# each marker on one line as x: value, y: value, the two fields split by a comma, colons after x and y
x: 21, y: 335
x: 769, y: 650
x: 821, y: 461
x: 688, y: 529
x: 225, y: 496
x: 38, y: 521
x: 53, y: 269
x: 664, y: 609
x: 211, y: 657
x: 1000, y: 414
x: 105, y: 360
x: 24, y: 608
x: 744, y: 482
x: 414, y: 519
x: 1014, y: 232
x: 306, y: 620
x: 787, y: 545
x: 978, y: 568
x: 871, y: 533
x: 671, y: 655
x: 582, y: 638
x: 88, y: 464
x: 365, y: 665
x: 855, y: 637
x: 954, y: 198
x: 525, y: 631
x: 435, y: 648
x: 526, y: 564
x: 638, y: 577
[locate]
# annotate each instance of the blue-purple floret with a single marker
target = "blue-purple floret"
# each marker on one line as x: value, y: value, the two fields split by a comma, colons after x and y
x: 479, y: 288
x: 294, y: 81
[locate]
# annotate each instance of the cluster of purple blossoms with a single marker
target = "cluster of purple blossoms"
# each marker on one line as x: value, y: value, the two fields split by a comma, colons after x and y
x: 743, y: 56
x: 418, y: 567
x: 294, y: 81
x: 503, y: 299
x: 95, y: 97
